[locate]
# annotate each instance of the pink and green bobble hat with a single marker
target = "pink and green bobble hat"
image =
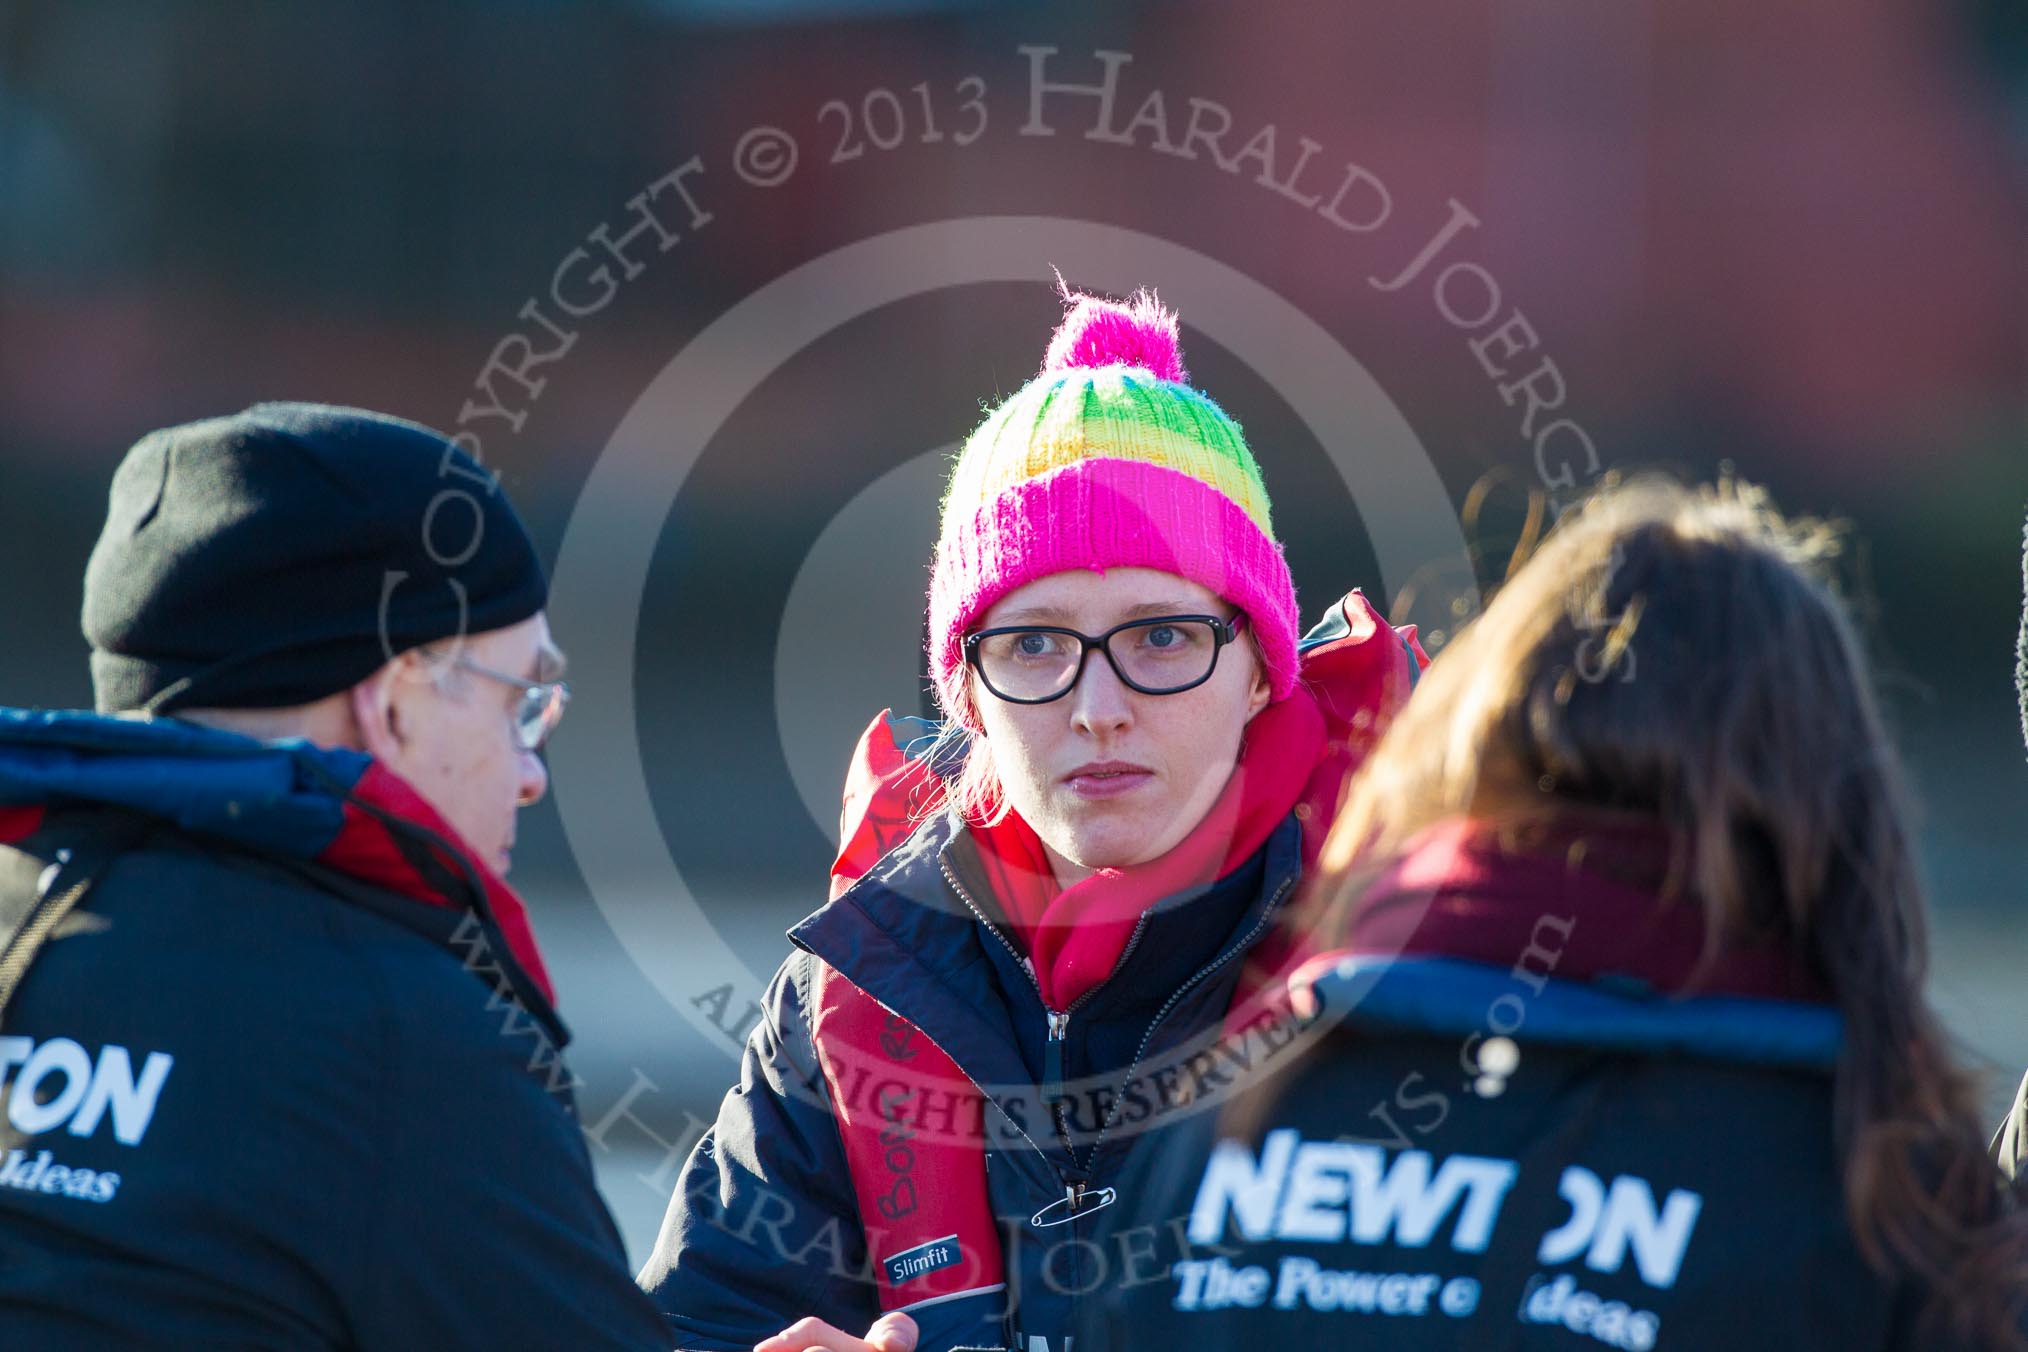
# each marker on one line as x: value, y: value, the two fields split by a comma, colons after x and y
x: 1107, y: 459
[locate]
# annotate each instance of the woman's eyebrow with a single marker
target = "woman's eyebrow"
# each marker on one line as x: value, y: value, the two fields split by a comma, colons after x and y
x: 1161, y: 608
x: 1059, y: 615
x: 1042, y: 614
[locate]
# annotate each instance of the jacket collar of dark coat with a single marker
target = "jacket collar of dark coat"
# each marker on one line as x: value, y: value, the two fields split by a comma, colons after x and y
x: 900, y: 935
x: 1566, y: 938
x: 337, y: 809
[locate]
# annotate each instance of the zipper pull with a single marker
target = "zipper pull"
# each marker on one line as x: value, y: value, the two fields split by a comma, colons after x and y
x: 1052, y: 1058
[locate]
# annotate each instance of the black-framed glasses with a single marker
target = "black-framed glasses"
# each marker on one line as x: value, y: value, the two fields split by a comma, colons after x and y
x: 1166, y: 655
x: 536, y: 713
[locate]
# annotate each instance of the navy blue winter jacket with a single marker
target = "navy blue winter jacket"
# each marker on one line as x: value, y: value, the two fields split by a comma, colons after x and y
x: 245, y: 1103
x: 765, y: 1228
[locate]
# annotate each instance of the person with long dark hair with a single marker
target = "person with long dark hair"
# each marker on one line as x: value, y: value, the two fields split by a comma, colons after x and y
x: 1621, y: 1041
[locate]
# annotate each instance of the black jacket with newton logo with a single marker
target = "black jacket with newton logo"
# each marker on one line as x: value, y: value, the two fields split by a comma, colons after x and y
x: 246, y: 1102
x: 1643, y: 1174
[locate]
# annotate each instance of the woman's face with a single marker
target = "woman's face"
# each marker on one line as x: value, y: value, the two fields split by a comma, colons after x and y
x: 1106, y: 775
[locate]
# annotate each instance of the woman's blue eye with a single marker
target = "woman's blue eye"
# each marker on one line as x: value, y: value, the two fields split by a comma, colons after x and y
x: 1164, y: 637
x: 1033, y: 645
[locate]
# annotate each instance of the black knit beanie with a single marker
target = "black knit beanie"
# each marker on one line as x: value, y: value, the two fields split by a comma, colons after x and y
x: 283, y: 554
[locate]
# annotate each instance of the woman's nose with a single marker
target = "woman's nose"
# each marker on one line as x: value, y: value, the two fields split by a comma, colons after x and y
x: 1100, y: 702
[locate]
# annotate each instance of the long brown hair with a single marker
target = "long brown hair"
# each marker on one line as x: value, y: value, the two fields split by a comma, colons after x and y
x: 1683, y: 654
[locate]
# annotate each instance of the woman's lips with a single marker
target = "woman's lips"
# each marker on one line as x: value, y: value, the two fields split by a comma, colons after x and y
x: 1107, y: 780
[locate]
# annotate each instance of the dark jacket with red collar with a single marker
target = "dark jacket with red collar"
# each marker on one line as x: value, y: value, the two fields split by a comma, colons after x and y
x: 904, y: 1043
x: 1533, y: 1115
x: 288, y: 1075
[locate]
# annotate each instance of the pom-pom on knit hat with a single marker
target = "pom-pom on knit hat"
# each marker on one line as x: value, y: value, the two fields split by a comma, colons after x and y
x: 1107, y: 459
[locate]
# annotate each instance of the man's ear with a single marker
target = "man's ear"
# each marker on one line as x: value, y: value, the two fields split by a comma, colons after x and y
x: 377, y: 712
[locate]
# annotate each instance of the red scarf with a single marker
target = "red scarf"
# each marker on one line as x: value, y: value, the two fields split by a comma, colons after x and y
x: 1074, y: 935
x: 365, y: 848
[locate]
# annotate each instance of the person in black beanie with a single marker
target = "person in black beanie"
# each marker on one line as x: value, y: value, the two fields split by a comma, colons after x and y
x: 279, y: 1058
x: 279, y: 572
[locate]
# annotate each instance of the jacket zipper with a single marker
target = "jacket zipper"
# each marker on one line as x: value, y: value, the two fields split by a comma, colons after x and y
x: 1061, y: 1019
x: 1052, y: 1059
x: 1058, y: 1028
x: 1119, y: 1100
x: 1074, y: 1190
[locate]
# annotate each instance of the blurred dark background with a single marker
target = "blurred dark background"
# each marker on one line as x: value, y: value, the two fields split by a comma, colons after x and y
x: 1790, y: 239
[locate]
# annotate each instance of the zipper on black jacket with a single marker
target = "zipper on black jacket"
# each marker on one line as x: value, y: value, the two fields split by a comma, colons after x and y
x: 1246, y: 942
x: 1058, y: 1029
x: 1059, y: 1020
x: 1052, y: 1058
x: 951, y: 878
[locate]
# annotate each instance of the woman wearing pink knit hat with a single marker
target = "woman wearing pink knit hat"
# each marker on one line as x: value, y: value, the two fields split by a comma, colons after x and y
x: 1045, y: 938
